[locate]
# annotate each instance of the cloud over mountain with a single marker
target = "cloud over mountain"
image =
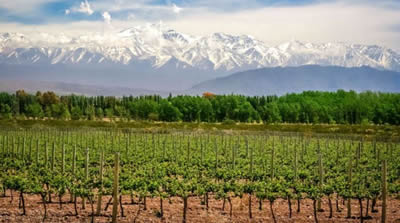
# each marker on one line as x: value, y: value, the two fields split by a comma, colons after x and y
x: 144, y: 55
x: 158, y: 45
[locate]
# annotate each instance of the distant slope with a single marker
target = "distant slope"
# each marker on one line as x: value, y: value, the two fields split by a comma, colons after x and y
x: 266, y: 81
x: 67, y: 88
x: 280, y: 80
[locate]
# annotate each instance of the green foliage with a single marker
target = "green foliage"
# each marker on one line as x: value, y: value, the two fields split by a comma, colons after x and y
x: 5, y: 111
x: 168, y: 112
x: 34, y: 110
x: 99, y: 113
x: 153, y: 116
x: 209, y: 165
x: 76, y: 113
x: 90, y: 112
x: 271, y: 113
x: 315, y: 107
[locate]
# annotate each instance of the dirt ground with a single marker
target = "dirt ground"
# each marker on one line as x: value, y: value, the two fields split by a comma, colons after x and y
x: 173, y: 211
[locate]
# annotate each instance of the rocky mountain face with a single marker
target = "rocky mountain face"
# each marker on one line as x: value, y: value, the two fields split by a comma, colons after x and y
x: 156, y: 57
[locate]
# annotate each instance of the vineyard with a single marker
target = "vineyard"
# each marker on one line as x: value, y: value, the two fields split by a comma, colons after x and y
x: 103, y: 175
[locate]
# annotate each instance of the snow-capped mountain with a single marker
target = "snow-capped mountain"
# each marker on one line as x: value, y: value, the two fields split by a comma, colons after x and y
x: 159, y: 46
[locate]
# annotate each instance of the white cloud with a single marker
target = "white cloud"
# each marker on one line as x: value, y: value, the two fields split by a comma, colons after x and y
x: 176, y: 9
x: 144, y: 6
x: 84, y: 8
x: 338, y: 21
x: 107, y: 17
x: 131, y: 16
x: 67, y: 11
x: 324, y: 22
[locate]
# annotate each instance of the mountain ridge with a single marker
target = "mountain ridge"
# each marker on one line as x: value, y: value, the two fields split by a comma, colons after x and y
x: 64, y: 88
x: 282, y: 80
x: 265, y: 81
x: 157, y: 44
x: 158, y: 58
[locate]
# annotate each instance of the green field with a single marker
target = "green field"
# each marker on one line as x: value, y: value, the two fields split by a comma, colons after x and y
x: 202, y: 160
x: 368, y: 131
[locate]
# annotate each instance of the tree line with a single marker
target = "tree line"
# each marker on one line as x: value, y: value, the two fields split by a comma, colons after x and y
x: 340, y: 107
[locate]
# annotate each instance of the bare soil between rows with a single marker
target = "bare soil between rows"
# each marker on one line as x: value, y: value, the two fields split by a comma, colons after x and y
x: 173, y: 211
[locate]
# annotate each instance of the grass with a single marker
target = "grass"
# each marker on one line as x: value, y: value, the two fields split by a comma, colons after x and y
x: 307, y: 129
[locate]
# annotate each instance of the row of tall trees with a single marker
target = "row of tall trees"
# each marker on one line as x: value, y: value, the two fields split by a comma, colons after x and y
x: 308, y: 107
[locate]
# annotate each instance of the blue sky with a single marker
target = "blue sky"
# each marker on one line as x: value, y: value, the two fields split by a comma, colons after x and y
x: 272, y: 21
x: 48, y: 11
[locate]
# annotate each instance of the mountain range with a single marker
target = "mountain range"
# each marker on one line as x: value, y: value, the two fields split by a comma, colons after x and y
x: 264, y: 81
x: 159, y: 59
x: 62, y: 88
x: 282, y: 80
x: 156, y: 57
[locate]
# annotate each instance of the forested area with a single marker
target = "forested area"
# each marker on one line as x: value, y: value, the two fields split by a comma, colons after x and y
x: 341, y: 107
